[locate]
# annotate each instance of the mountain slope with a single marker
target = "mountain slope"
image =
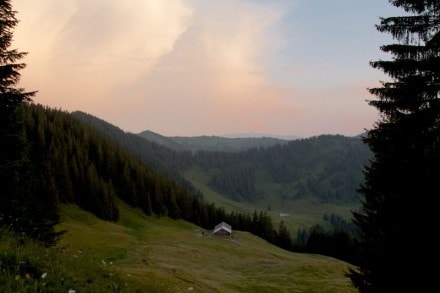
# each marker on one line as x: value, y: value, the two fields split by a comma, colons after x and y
x: 162, y: 159
x: 140, y: 253
x: 328, y: 167
x: 161, y: 140
x: 173, y: 255
x: 304, y: 178
x: 78, y: 164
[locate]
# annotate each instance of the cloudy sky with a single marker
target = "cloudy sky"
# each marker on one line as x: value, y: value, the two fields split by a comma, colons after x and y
x: 206, y: 67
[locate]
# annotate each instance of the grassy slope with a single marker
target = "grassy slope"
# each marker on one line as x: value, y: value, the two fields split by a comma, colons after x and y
x: 303, y: 213
x: 173, y: 256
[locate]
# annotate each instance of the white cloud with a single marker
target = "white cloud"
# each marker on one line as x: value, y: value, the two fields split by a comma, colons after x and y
x: 216, y: 79
x: 90, y: 49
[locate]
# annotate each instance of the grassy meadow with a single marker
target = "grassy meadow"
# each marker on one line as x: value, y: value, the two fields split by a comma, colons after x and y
x: 302, y: 213
x: 150, y: 254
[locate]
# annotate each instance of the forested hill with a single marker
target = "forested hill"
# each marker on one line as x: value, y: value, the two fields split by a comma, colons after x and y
x: 211, y: 143
x: 69, y: 161
x: 326, y: 167
x: 162, y: 159
x: 75, y: 163
x: 322, y: 171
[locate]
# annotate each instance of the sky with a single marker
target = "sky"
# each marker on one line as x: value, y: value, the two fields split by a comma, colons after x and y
x: 207, y: 67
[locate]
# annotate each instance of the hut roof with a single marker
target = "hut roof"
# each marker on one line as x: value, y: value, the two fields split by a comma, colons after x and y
x: 223, y: 226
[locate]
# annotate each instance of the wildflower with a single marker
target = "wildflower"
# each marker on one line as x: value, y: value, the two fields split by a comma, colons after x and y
x: 43, y: 275
x: 27, y: 276
x: 17, y: 278
x: 71, y: 291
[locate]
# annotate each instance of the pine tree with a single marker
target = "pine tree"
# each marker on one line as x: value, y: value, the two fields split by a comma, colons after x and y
x: 28, y: 201
x: 283, y: 237
x: 12, y: 146
x: 402, y: 181
x: 10, y: 96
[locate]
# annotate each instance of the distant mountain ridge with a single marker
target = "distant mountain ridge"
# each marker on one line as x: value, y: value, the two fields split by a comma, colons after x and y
x: 261, y: 135
x: 161, y: 140
x: 212, y: 143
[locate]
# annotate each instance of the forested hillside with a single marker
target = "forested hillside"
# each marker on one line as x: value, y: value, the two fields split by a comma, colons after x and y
x: 162, y: 159
x: 303, y: 180
x: 80, y: 165
x: 72, y: 162
x: 328, y: 167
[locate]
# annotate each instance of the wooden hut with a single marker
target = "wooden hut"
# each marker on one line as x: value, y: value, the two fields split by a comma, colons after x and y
x: 223, y: 229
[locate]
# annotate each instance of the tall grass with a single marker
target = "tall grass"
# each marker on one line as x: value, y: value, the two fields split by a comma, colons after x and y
x: 27, y: 266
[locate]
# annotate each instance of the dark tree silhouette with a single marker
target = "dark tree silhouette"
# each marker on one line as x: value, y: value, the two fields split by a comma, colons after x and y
x: 10, y: 99
x: 283, y: 238
x: 16, y: 179
x: 401, y: 185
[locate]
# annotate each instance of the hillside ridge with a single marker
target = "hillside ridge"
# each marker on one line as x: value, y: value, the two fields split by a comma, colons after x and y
x: 211, y: 142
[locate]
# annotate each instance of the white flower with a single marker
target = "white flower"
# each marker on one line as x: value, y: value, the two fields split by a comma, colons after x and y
x: 71, y: 291
x: 43, y: 275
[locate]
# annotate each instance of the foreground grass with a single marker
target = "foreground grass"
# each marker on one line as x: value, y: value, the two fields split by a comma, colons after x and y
x: 148, y: 254
x: 26, y: 266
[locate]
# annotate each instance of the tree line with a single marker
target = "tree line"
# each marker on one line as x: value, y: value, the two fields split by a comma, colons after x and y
x: 340, y: 241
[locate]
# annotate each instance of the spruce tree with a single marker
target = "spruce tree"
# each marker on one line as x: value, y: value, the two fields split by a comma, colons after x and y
x: 11, y: 138
x: 283, y: 237
x: 21, y: 206
x: 11, y: 97
x: 401, y: 187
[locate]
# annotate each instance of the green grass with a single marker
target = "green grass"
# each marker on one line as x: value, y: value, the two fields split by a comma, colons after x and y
x: 174, y: 256
x: 303, y: 212
x: 150, y: 254
x: 199, y: 179
x: 26, y: 266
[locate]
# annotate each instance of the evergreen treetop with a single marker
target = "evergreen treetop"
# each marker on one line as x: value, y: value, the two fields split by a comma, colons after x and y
x: 9, y: 69
x: 401, y: 184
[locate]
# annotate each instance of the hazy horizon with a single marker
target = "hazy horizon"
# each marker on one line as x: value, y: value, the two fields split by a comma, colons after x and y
x: 251, y: 134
